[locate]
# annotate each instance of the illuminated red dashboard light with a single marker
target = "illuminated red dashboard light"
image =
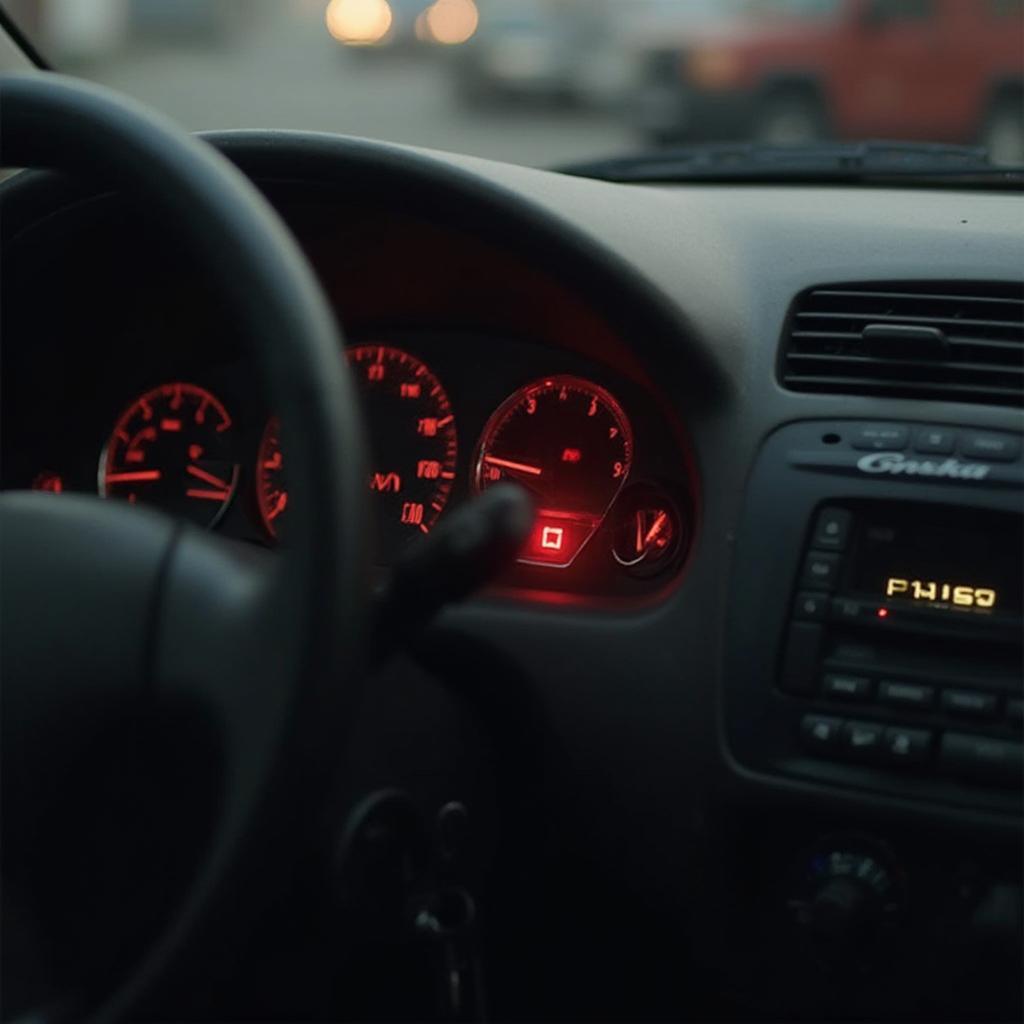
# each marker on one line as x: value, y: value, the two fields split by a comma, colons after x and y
x: 557, y: 538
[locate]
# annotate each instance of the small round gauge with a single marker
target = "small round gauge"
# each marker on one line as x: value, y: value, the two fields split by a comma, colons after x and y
x: 413, y: 448
x: 171, y: 448
x: 647, y: 531
x: 271, y: 492
x: 568, y: 442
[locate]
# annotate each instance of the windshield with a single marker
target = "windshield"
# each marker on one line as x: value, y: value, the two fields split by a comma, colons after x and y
x: 550, y: 82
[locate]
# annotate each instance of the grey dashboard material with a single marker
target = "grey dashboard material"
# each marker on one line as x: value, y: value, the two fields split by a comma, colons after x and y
x: 698, y: 281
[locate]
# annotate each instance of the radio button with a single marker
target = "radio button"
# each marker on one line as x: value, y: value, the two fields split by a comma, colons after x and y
x: 880, y: 437
x: 971, y: 703
x: 864, y: 740
x: 810, y: 606
x: 832, y: 529
x: 819, y: 732
x: 906, y: 695
x: 982, y: 758
x: 821, y: 570
x: 993, y: 447
x: 934, y: 441
x: 907, y: 746
x: 843, y: 687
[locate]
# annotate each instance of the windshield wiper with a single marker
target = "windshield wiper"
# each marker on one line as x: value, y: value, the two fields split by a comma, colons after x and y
x: 830, y: 163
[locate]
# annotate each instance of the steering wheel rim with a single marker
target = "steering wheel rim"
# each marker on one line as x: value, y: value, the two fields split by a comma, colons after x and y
x: 299, y: 614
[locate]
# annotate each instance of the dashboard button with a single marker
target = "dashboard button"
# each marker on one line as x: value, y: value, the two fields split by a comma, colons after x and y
x: 880, y: 437
x: 821, y: 570
x: 864, y: 740
x: 843, y: 687
x: 800, y: 666
x: 831, y: 529
x: 810, y: 605
x: 994, y: 447
x: 982, y: 758
x: 907, y: 746
x: 819, y: 732
x: 906, y: 695
x: 970, y: 703
x: 848, y: 609
x: 935, y: 441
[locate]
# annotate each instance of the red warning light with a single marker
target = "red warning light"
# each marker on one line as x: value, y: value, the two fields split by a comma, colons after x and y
x: 883, y: 613
x: 571, y: 455
x: 551, y: 538
x: 557, y: 538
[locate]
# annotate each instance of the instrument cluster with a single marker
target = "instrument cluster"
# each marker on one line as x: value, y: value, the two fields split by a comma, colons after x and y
x: 610, y: 483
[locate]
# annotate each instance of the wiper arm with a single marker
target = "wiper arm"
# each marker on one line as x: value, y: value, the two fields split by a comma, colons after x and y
x: 832, y: 162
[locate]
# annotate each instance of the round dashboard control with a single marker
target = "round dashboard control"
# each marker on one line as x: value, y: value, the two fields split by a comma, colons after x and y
x: 414, y: 446
x: 568, y: 442
x: 171, y: 448
x: 647, y: 531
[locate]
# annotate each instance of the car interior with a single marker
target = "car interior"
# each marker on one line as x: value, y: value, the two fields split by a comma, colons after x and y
x: 629, y: 628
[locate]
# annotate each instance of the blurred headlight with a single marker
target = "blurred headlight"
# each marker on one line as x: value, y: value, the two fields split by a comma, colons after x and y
x: 449, y: 22
x: 358, y: 22
x: 713, y: 69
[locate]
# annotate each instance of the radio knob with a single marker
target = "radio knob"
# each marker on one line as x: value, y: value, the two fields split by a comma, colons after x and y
x: 847, y: 896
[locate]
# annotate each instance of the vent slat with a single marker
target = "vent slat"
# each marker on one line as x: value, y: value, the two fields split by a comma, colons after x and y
x: 982, y: 362
x: 898, y: 387
x: 1013, y: 325
x: 954, y: 339
x: 907, y: 364
x: 912, y: 296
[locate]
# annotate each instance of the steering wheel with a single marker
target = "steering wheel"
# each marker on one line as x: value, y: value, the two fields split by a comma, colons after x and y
x: 120, y: 624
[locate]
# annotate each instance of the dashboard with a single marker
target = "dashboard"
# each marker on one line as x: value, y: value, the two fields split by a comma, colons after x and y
x: 455, y: 402
x: 760, y: 658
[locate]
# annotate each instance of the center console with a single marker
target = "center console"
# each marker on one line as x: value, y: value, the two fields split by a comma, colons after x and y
x: 876, y: 635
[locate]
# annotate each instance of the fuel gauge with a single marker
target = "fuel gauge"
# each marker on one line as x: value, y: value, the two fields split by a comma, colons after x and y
x: 647, y: 533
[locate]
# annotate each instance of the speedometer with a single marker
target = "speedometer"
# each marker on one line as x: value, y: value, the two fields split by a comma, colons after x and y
x: 413, y: 448
x: 172, y: 448
x: 568, y: 442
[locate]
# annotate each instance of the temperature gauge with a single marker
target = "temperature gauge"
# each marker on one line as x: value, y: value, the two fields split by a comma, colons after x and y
x: 647, y: 531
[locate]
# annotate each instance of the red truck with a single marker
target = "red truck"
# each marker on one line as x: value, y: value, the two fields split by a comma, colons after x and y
x: 792, y: 71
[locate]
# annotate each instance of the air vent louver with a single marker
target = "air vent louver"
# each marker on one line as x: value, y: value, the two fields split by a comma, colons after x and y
x: 956, y: 341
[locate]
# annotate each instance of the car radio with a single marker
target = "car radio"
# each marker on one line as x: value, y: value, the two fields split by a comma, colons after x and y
x: 892, y: 658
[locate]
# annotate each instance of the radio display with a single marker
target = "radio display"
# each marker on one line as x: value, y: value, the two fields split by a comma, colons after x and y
x: 939, y: 558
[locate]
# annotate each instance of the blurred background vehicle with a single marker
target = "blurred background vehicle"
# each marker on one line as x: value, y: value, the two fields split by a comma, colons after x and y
x: 797, y: 71
x: 557, y: 81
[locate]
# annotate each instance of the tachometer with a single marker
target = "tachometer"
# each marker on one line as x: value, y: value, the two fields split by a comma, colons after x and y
x: 171, y: 448
x: 568, y: 442
x: 413, y: 448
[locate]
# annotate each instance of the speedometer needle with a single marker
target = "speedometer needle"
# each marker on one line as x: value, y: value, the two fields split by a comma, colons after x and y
x: 516, y: 467
x: 208, y: 478
x: 139, y: 476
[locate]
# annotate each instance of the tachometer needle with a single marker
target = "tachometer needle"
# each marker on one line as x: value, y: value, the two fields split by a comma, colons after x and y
x: 515, y: 467
x: 138, y: 476
x: 209, y: 478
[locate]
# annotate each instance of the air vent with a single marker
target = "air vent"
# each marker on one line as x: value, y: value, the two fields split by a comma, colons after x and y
x: 956, y: 341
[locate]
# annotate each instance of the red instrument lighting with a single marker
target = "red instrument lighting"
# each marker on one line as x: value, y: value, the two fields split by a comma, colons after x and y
x: 164, y: 442
x: 47, y: 481
x: 883, y: 613
x: 568, y: 442
x: 413, y: 440
x: 557, y: 538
